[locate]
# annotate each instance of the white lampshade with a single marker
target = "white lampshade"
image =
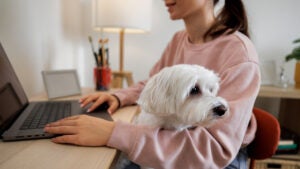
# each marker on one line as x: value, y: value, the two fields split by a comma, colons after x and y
x: 133, y: 16
x: 122, y: 16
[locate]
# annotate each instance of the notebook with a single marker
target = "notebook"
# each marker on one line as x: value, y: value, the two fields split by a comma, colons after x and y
x: 23, y: 120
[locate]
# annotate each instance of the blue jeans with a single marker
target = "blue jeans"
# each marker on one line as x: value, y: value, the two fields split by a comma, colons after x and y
x: 240, y: 161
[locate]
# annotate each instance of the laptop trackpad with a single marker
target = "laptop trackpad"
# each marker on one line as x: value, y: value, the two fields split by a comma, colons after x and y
x: 99, y: 112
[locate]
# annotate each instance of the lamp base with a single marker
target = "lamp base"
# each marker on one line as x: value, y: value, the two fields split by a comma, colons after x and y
x: 118, y: 78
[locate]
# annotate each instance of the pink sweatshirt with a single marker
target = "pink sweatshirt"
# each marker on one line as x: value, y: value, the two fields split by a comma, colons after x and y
x: 235, y: 59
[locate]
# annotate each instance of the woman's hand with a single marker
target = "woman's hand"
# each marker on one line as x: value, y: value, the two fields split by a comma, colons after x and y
x: 98, y: 99
x: 81, y: 130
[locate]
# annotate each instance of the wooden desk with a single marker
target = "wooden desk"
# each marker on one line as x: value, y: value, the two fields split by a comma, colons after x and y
x: 43, y: 154
x: 287, y: 100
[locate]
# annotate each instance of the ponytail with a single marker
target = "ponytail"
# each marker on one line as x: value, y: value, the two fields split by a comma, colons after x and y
x: 231, y: 18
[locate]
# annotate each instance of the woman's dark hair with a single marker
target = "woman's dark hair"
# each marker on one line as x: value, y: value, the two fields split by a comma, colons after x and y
x: 231, y: 18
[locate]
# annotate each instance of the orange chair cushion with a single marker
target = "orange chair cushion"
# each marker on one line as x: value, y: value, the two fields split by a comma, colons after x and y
x: 267, y: 135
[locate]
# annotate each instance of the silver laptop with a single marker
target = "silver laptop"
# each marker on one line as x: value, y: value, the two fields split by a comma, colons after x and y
x: 21, y: 120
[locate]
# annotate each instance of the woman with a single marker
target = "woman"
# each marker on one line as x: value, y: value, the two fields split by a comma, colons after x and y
x: 217, y: 42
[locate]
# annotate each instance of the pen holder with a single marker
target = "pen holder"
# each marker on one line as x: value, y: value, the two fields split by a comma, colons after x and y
x: 102, y: 78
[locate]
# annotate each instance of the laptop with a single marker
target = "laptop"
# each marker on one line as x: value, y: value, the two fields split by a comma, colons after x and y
x: 23, y: 120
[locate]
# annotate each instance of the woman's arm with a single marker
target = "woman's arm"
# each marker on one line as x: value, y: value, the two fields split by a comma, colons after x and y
x: 200, y: 147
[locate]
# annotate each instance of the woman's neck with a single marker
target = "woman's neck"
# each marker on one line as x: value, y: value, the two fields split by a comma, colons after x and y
x: 197, y: 26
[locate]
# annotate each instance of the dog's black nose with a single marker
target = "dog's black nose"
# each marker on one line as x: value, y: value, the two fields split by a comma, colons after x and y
x: 219, y: 110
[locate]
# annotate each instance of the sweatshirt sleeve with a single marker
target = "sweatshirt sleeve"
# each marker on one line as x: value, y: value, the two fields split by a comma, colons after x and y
x: 199, y: 147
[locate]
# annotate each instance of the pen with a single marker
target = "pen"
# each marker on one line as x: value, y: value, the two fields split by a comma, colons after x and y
x: 102, y: 42
x: 100, y: 57
x: 107, y: 57
x: 93, y: 50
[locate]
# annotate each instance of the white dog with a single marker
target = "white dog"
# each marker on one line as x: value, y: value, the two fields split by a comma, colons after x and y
x: 180, y: 97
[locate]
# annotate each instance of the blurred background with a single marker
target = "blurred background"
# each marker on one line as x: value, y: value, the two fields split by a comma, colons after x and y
x: 53, y: 34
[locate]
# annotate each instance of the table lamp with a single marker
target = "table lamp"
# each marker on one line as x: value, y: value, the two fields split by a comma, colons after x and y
x: 122, y: 16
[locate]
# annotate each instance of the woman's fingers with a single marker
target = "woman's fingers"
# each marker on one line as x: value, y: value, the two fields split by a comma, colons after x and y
x: 100, y: 100
x: 113, y: 107
x: 60, y: 129
x: 63, y: 126
x: 89, y: 98
x: 66, y: 139
x: 68, y: 121
x: 81, y: 130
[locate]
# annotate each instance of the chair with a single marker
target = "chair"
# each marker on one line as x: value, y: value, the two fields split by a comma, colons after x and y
x: 266, y: 138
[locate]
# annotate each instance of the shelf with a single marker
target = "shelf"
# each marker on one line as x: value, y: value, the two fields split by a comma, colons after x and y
x: 278, y: 164
x: 294, y: 157
x: 276, y: 92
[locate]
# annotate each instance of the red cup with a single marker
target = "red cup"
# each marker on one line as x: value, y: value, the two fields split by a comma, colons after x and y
x: 102, y: 78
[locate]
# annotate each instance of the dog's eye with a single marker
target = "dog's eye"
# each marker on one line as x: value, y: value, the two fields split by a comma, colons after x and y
x: 195, y: 90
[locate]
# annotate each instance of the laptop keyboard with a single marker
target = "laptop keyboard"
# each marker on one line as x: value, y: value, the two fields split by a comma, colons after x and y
x: 44, y: 113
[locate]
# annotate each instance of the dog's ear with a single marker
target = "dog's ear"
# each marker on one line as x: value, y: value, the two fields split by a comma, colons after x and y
x: 215, y: 87
x: 157, y: 96
x: 213, y: 81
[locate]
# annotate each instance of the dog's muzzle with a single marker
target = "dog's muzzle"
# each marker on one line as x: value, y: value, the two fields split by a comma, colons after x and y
x: 219, y: 110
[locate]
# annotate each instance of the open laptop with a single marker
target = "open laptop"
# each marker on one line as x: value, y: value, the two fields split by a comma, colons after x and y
x: 21, y: 120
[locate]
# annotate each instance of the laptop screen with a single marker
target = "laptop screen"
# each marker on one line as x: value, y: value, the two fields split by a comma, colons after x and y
x: 12, y: 96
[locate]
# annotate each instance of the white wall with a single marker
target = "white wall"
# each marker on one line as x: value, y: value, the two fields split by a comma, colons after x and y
x: 52, y: 34
x: 274, y: 25
x: 40, y: 35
